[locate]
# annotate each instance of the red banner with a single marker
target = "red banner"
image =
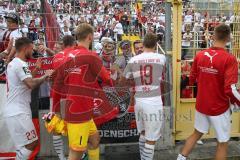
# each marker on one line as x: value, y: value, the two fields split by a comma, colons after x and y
x: 52, y: 28
x: 46, y: 65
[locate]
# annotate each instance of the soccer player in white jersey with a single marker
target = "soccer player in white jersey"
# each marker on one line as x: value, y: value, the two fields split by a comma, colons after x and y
x: 17, y: 112
x: 146, y: 70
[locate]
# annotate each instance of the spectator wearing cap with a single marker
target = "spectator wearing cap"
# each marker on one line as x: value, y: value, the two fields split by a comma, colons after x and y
x: 8, y: 37
x: 121, y: 61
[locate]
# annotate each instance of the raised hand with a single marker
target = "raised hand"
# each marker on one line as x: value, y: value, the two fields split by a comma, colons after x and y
x: 39, y: 63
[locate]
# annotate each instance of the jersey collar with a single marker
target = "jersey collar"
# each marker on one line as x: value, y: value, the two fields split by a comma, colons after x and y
x: 80, y: 47
x: 217, y: 48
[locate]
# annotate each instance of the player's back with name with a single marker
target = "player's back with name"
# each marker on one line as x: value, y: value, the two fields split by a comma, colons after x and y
x: 146, y: 69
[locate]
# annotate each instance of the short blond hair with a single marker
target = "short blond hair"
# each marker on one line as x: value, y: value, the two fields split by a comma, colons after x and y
x: 83, y: 30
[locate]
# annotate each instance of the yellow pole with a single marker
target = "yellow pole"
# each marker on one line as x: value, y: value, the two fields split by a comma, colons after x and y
x: 236, y: 30
x: 176, y: 54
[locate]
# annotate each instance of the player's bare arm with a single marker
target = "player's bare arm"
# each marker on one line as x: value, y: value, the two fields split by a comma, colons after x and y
x: 11, y: 54
x: 6, y: 52
x: 35, y: 82
x: 38, y: 66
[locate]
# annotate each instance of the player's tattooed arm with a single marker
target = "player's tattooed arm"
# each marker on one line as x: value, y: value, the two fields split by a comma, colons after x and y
x: 35, y: 82
x: 38, y: 66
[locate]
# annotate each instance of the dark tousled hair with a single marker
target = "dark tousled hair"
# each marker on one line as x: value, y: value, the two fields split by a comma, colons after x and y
x: 222, y: 32
x: 22, y: 42
x: 68, y: 41
x: 150, y: 40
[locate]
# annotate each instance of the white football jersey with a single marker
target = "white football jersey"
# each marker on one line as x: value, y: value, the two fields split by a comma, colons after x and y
x: 18, y: 94
x: 146, y: 69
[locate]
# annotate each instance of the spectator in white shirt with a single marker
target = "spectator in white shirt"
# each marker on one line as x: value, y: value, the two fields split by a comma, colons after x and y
x: 186, y: 43
x: 61, y: 21
x: 188, y: 18
x: 232, y: 18
x: 66, y: 31
x: 10, y: 35
x: 197, y: 16
x: 197, y: 26
x: 118, y: 29
x: 24, y: 29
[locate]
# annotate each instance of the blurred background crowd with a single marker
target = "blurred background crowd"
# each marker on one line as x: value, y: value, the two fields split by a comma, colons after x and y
x: 119, y: 24
x: 115, y: 18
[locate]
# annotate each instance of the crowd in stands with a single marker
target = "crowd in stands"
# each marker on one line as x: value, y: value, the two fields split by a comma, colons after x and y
x: 109, y: 19
x: 198, y: 27
x: 114, y: 19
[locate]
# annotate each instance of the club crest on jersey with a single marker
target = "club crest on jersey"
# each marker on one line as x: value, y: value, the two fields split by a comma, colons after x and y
x: 26, y: 70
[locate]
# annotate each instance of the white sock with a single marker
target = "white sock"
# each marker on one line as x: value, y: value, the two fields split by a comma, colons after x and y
x: 181, y: 157
x: 23, y: 153
x: 148, y: 152
x: 58, y: 147
x: 142, y: 141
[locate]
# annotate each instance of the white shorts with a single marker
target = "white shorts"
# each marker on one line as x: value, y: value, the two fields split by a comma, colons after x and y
x: 149, y: 118
x: 21, y: 129
x: 221, y: 124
